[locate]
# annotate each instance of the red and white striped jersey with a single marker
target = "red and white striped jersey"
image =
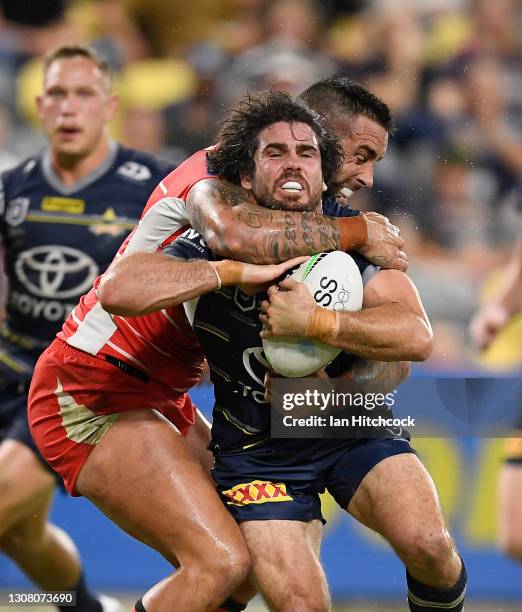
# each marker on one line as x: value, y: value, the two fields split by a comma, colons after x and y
x: 160, y: 344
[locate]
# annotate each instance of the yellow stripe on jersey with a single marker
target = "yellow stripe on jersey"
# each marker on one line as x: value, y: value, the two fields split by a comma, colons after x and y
x: 58, y: 204
x: 122, y: 222
x: 235, y: 422
x: 212, y: 330
x: 14, y: 364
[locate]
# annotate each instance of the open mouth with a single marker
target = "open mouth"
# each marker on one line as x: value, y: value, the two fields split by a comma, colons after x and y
x: 69, y: 131
x: 292, y: 187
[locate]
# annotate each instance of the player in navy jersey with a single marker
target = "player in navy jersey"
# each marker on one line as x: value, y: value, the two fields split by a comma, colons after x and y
x: 485, y: 327
x: 371, y: 479
x: 63, y: 215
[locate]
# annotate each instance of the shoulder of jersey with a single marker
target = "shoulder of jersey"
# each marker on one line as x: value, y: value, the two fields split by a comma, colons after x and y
x: 332, y: 208
x: 188, y: 173
x: 23, y: 170
x: 140, y: 167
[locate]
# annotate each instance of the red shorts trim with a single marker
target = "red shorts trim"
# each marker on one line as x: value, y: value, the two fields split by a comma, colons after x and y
x: 75, y: 398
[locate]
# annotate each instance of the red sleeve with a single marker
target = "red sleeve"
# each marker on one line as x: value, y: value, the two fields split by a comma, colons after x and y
x: 179, y: 182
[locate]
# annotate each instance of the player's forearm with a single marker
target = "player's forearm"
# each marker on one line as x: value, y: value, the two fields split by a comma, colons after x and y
x: 376, y: 376
x: 147, y: 282
x: 510, y: 296
x: 389, y: 332
x: 234, y: 226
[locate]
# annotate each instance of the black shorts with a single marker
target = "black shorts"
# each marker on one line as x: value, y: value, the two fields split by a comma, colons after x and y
x: 283, y: 479
x: 16, y: 369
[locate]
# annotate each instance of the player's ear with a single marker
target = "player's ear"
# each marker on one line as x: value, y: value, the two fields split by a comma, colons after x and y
x: 39, y: 106
x: 246, y: 181
x: 325, y: 186
x: 112, y: 106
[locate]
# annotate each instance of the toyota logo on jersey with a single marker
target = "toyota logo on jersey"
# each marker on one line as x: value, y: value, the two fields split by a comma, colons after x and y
x: 54, y: 271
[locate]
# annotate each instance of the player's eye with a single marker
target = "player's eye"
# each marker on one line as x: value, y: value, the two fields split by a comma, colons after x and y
x: 56, y: 93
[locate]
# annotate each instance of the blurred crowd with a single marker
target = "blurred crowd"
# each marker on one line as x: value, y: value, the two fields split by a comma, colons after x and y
x: 451, y: 71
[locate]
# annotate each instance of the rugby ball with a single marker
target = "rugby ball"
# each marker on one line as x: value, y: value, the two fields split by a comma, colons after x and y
x: 335, y: 282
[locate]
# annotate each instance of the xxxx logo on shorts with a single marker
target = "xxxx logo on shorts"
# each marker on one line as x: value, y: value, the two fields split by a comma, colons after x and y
x: 257, y: 492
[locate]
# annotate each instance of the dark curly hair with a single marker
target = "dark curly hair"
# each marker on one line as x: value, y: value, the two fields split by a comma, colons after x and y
x: 238, y: 137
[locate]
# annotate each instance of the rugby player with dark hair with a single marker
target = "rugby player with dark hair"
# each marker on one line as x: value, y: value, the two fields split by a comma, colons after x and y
x: 102, y: 390
x: 63, y: 215
x: 375, y: 480
x: 161, y: 346
x: 232, y: 222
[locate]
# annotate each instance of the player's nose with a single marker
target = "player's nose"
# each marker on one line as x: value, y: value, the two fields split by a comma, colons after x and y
x: 69, y: 105
x: 292, y: 160
x: 365, y: 177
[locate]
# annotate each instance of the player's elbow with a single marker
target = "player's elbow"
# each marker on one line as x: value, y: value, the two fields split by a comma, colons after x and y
x: 232, y: 243
x: 113, y: 297
x: 404, y: 370
x: 421, y: 341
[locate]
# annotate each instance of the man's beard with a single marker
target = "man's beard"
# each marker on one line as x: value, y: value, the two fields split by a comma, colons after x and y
x: 267, y: 199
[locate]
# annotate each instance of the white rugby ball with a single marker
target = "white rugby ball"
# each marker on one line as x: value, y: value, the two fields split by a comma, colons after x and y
x: 335, y: 282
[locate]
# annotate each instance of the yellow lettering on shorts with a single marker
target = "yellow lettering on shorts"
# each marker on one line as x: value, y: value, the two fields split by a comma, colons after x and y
x: 257, y: 492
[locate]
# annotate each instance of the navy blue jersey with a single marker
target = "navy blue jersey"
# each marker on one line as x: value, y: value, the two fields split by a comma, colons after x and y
x: 227, y: 325
x: 58, y: 239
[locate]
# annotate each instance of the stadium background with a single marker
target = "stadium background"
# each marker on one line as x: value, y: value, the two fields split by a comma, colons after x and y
x: 451, y: 72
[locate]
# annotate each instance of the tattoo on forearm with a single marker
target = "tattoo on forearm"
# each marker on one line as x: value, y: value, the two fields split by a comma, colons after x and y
x: 307, y: 234
x: 290, y: 229
x: 329, y: 236
x: 255, y: 218
x: 229, y: 194
x: 265, y: 235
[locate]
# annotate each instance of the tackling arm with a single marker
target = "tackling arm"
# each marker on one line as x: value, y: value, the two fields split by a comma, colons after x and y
x: 142, y: 283
x: 234, y: 225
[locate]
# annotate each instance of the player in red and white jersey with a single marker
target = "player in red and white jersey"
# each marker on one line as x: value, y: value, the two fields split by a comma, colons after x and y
x: 101, y: 377
x: 161, y: 345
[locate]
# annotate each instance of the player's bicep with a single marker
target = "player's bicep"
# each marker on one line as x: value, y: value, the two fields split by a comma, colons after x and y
x: 210, y: 202
x: 392, y: 286
x: 227, y: 216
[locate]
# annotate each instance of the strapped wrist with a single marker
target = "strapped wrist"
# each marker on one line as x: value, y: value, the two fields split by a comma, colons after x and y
x: 353, y: 232
x: 227, y: 271
x: 323, y: 325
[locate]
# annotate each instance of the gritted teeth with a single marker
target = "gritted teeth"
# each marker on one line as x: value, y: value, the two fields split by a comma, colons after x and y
x: 346, y: 192
x: 292, y: 185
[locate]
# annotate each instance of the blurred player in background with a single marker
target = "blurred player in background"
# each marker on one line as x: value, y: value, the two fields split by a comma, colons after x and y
x: 485, y: 327
x: 63, y: 214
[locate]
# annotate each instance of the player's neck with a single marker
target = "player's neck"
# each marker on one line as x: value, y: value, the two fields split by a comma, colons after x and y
x: 71, y: 169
